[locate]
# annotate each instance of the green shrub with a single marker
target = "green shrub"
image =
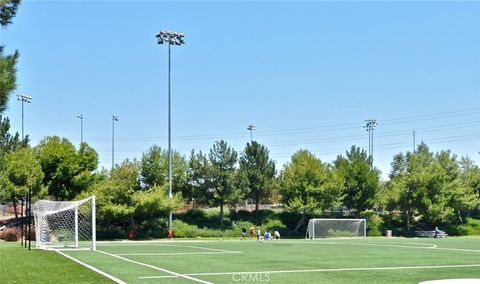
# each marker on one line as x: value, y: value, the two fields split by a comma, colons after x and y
x: 374, y: 223
x: 276, y: 225
x: 472, y: 227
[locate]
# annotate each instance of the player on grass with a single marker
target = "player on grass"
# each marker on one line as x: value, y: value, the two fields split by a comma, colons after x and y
x: 252, y: 232
x: 244, y: 233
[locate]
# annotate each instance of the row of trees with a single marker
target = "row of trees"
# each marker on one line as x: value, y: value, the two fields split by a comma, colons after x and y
x: 436, y: 188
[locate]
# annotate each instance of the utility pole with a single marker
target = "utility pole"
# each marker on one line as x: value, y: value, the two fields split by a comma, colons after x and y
x: 81, y: 128
x: 414, y: 142
x: 114, y: 118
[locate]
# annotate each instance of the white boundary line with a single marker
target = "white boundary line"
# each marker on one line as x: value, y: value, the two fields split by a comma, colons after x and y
x: 178, y: 253
x: 323, y: 270
x: 212, y: 249
x: 93, y: 268
x: 157, y: 268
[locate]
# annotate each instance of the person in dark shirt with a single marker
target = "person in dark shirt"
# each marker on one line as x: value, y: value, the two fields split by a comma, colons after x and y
x: 244, y: 233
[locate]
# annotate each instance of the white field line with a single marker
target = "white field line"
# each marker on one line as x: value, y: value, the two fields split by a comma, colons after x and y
x: 323, y: 270
x: 212, y: 249
x: 427, y: 246
x: 178, y: 253
x: 93, y: 268
x: 157, y: 268
x: 432, y: 247
x: 128, y: 242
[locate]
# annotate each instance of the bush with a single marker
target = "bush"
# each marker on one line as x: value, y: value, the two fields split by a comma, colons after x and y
x: 10, y: 234
x: 374, y: 223
x: 276, y: 225
x: 472, y: 227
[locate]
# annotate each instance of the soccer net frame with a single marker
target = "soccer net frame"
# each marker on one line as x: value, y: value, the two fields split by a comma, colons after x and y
x: 336, y: 228
x: 65, y: 224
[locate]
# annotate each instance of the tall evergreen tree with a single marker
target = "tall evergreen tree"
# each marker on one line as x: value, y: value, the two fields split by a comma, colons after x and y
x: 8, y: 70
x: 222, y: 175
x: 257, y: 173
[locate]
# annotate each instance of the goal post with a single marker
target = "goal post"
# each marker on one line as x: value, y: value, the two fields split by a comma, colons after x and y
x: 65, y: 224
x: 336, y: 228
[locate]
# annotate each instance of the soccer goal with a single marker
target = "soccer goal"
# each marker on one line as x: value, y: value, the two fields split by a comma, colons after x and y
x: 65, y: 224
x: 336, y: 228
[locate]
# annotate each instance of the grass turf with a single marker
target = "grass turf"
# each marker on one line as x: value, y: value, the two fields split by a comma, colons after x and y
x: 18, y: 265
x: 371, y: 260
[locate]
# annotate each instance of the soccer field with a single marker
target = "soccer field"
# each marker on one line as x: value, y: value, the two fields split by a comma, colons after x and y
x: 371, y: 260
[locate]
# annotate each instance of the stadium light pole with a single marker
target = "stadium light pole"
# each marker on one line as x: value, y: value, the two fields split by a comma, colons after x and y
x: 81, y: 128
x: 24, y: 99
x: 170, y: 38
x: 251, y: 127
x: 370, y: 125
x: 114, y: 118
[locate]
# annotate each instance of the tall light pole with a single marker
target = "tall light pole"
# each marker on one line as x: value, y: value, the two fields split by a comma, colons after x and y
x: 81, y: 128
x: 251, y: 127
x: 175, y: 39
x: 114, y: 118
x: 370, y: 125
x: 23, y: 99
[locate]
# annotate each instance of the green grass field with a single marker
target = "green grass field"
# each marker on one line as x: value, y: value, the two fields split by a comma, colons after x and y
x: 371, y: 260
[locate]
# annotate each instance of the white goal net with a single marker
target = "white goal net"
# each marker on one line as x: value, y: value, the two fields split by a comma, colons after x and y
x: 65, y: 224
x: 336, y: 228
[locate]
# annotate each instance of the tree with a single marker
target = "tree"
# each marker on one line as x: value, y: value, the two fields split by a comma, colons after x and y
x: 257, y: 172
x: 198, y: 178
x: 431, y: 186
x: 8, y: 10
x: 8, y: 70
x: 21, y: 174
x: 154, y: 168
x: 212, y: 178
x: 123, y: 203
x: 221, y: 176
x: 9, y: 142
x: 308, y: 186
x: 67, y: 172
x: 361, y: 181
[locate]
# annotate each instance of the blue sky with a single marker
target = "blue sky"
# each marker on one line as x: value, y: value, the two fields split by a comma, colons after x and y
x: 307, y: 74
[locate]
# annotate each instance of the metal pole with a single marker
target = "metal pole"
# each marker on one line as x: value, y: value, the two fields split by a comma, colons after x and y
x: 372, y: 147
x: 94, y: 225
x: 175, y: 39
x: 81, y: 130
x: 113, y: 141
x: 22, y: 119
x: 169, y: 138
x: 413, y: 141
x: 29, y: 218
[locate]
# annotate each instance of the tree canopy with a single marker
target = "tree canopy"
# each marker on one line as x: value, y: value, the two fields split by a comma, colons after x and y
x: 257, y: 173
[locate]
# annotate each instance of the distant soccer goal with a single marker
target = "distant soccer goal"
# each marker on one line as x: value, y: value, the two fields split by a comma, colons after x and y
x: 336, y: 228
x: 65, y: 224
